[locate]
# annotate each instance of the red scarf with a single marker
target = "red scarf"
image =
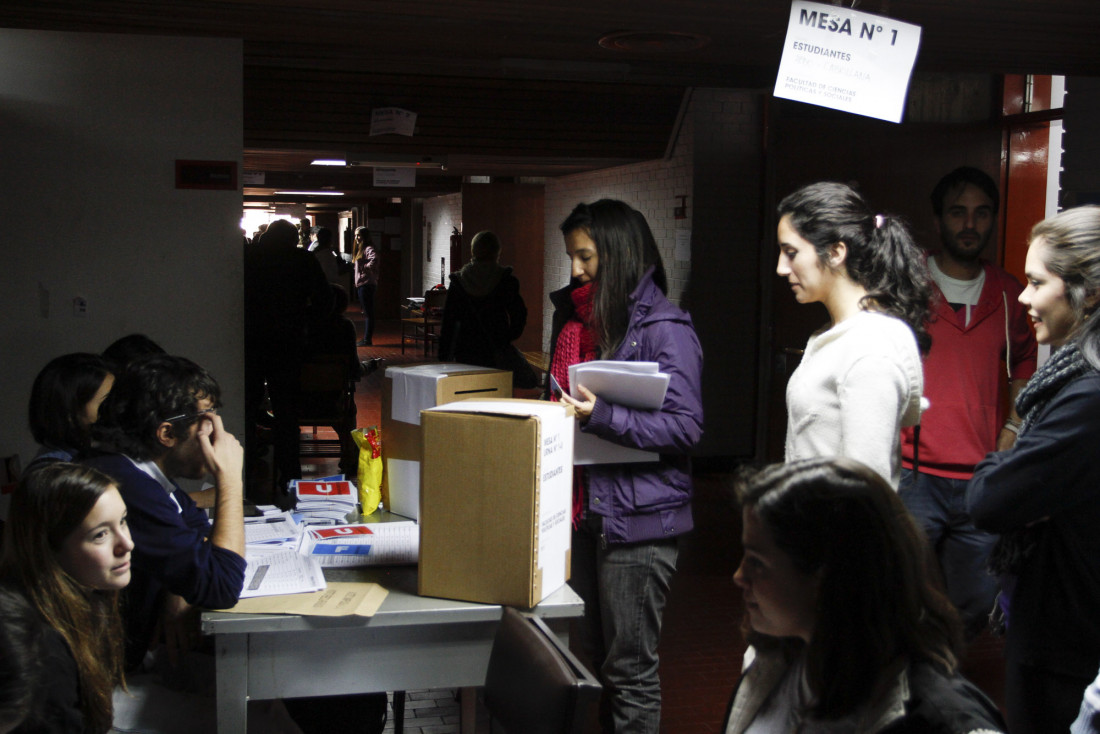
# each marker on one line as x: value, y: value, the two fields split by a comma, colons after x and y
x: 577, y: 342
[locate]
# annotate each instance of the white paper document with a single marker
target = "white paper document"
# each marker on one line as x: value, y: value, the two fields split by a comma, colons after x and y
x: 274, y: 530
x: 636, y: 385
x: 271, y: 571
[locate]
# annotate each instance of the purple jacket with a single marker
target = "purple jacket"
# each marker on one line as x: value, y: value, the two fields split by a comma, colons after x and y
x: 647, y: 501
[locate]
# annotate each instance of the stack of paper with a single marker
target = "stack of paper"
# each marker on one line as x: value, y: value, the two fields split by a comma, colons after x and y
x: 324, y: 501
x: 278, y: 530
x: 631, y: 384
x: 368, y: 544
x: 271, y: 571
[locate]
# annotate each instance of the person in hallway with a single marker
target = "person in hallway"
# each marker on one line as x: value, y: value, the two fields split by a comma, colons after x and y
x: 64, y: 403
x: 67, y: 553
x: 160, y: 422
x: 848, y: 627
x: 365, y: 261
x: 1041, y: 495
x: 485, y: 313
x: 977, y: 324
x: 285, y: 293
x: 860, y: 378
x: 627, y: 518
x: 323, y: 249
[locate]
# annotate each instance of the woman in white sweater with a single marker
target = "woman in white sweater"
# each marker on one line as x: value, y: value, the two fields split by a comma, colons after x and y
x: 860, y: 379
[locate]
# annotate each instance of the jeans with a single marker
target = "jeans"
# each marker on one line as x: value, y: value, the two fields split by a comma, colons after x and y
x: 939, y: 506
x: 366, y: 301
x: 624, y: 588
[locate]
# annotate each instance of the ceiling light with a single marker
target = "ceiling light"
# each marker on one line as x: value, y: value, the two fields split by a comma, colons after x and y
x: 386, y: 160
x: 309, y: 193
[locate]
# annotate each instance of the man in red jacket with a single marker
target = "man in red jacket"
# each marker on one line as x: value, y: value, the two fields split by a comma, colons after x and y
x: 981, y: 343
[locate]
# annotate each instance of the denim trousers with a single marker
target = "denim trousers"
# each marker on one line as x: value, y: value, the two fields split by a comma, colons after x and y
x: 624, y: 588
x: 939, y: 506
x: 366, y: 302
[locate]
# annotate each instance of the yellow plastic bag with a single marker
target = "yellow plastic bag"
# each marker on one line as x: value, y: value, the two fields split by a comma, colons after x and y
x: 369, y: 441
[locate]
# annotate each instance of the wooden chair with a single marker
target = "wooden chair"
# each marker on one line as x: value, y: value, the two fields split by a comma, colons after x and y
x: 327, y: 398
x: 423, y: 325
x: 534, y: 685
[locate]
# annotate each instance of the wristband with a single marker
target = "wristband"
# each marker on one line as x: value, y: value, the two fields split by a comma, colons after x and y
x: 1013, y: 426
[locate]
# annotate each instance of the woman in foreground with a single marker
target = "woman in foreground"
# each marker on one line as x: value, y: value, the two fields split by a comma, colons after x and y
x: 848, y: 630
x: 67, y: 550
x: 1043, y: 495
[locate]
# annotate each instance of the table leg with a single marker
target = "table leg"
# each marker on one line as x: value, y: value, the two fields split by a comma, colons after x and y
x: 467, y: 710
x: 231, y: 654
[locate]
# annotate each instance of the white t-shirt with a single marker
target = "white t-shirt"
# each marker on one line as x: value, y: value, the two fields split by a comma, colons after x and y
x: 958, y: 293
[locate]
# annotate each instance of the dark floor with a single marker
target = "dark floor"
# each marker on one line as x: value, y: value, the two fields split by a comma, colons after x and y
x: 701, y: 646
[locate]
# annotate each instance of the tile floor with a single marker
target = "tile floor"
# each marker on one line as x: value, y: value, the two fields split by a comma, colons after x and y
x: 701, y: 647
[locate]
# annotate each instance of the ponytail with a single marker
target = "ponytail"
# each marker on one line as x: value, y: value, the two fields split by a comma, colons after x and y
x: 882, y: 255
x: 897, y: 280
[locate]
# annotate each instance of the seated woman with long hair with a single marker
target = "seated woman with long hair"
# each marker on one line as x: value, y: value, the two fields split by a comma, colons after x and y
x: 65, y: 399
x: 849, y: 630
x: 67, y: 550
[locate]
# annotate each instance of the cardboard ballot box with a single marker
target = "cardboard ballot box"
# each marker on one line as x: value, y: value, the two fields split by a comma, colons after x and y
x: 496, y: 501
x: 406, y: 391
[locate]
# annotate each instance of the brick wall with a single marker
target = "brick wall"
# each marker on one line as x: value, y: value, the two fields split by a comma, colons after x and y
x: 443, y: 213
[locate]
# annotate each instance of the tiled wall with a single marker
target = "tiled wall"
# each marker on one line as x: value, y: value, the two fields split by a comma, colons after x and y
x: 650, y: 187
x: 444, y: 213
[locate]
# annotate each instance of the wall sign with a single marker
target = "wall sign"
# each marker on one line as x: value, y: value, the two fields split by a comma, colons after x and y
x: 847, y: 60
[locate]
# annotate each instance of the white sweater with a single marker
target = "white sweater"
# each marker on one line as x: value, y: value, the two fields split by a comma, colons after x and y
x: 859, y: 382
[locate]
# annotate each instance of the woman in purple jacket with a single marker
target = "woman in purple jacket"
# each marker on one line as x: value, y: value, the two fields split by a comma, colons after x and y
x: 627, y: 518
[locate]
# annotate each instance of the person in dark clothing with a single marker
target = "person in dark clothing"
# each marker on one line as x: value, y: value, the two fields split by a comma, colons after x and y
x: 484, y: 312
x: 285, y: 293
x: 64, y: 403
x: 160, y: 423
x: 1041, y: 495
x: 334, y: 338
x: 126, y: 349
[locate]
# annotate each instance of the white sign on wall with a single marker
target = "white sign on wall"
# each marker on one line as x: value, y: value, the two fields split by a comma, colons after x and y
x: 847, y: 60
x: 387, y: 178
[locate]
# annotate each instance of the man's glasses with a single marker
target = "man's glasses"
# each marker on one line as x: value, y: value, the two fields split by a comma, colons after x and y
x: 188, y: 416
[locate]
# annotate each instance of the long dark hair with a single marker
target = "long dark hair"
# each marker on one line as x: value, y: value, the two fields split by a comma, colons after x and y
x: 59, y: 394
x: 144, y: 395
x: 46, y: 507
x: 1072, y: 240
x: 879, y: 598
x: 882, y: 255
x: 626, y: 249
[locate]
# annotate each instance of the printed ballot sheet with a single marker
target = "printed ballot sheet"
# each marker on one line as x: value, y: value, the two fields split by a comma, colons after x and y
x: 271, y: 571
x: 367, y: 544
x: 630, y: 384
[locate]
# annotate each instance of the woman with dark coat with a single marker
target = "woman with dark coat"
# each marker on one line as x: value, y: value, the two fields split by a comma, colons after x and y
x: 1043, y: 495
x: 484, y: 312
